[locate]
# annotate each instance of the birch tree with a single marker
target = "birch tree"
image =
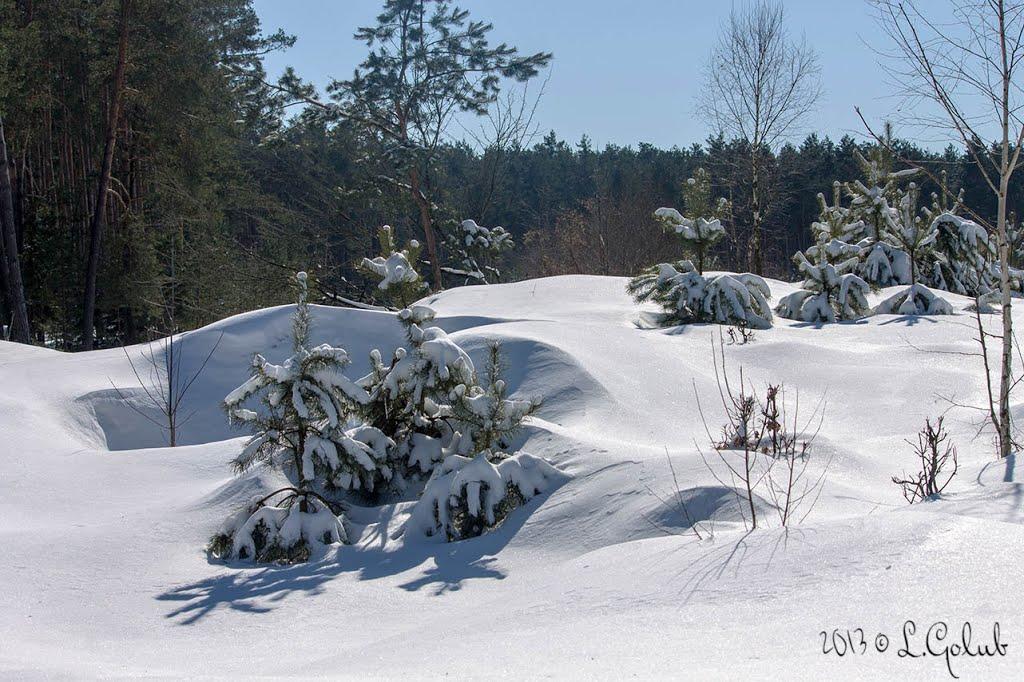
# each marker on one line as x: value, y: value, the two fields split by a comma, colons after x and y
x: 966, y: 66
x: 759, y: 86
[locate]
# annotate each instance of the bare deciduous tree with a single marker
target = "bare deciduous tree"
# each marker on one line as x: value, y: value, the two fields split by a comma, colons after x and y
x: 965, y: 65
x: 759, y: 86
x: 508, y: 126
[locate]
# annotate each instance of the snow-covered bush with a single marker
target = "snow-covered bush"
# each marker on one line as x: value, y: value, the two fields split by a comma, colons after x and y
x: 700, y: 232
x: 409, y: 396
x: 400, y: 284
x: 484, y: 412
x: 916, y: 299
x: 475, y: 249
x: 686, y: 296
x: 829, y: 291
x: 306, y: 425
x: 288, y: 532
x: 968, y: 263
x: 468, y: 495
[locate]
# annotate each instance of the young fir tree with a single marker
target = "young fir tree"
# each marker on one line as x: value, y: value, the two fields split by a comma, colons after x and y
x: 305, y: 426
x: 834, y: 222
x: 475, y: 250
x: 916, y: 237
x: 702, y: 231
x: 830, y: 291
x: 874, y: 204
x: 484, y: 411
x: 686, y: 296
x: 475, y: 490
x: 409, y: 397
x: 400, y: 284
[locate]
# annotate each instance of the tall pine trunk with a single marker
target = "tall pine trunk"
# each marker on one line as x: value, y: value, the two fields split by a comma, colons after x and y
x: 15, y: 289
x: 427, y: 224
x: 96, y: 224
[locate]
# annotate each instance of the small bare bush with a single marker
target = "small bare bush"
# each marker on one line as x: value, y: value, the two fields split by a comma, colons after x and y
x: 935, y: 456
x: 762, y: 448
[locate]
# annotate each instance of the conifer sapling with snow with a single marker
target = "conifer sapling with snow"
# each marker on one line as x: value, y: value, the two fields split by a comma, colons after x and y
x: 873, y: 205
x: 472, y: 491
x: 305, y: 424
x: 830, y: 290
x: 475, y: 250
x: 916, y: 237
x: 703, y: 229
x: 409, y: 395
x: 682, y: 290
x: 687, y: 297
x: 400, y: 284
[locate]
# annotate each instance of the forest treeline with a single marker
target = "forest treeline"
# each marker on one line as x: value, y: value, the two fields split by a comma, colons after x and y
x: 147, y: 150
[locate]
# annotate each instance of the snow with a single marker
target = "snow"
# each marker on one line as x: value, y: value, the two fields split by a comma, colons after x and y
x: 104, y: 573
x: 395, y: 269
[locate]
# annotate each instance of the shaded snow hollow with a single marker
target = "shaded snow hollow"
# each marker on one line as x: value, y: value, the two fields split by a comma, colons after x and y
x: 104, y: 572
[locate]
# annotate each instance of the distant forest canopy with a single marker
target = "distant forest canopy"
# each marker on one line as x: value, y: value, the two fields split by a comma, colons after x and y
x: 220, y: 185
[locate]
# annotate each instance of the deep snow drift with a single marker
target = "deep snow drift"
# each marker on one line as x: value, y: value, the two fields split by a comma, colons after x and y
x: 103, y: 530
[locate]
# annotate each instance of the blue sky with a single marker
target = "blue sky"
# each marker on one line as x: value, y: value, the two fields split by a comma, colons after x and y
x: 624, y: 72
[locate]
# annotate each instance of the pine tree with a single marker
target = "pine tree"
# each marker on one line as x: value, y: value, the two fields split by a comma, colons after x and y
x: 916, y: 237
x: 830, y: 290
x: 400, y: 284
x: 475, y: 249
x: 306, y: 426
x: 700, y: 232
x: 409, y: 398
x: 475, y: 489
x: 872, y: 204
x: 483, y: 410
x: 687, y: 297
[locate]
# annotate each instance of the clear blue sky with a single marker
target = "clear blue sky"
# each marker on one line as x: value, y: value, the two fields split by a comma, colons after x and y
x: 623, y: 72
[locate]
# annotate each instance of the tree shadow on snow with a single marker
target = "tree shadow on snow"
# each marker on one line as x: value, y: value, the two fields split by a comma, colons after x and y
x: 822, y: 325
x: 909, y: 320
x: 259, y: 589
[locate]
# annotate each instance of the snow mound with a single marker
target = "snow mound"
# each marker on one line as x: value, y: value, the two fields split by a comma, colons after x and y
x: 104, y: 573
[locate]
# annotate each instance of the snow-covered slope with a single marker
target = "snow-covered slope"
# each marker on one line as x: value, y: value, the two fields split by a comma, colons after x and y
x: 104, y: 574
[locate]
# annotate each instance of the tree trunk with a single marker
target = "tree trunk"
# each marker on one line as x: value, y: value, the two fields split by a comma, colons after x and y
x: 1006, y: 366
x: 755, y: 258
x: 15, y: 288
x: 96, y: 224
x: 427, y: 223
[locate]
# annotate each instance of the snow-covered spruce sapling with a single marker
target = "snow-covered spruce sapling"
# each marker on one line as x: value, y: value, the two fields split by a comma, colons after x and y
x: 409, y: 396
x: 475, y: 250
x: 400, y: 284
x: 484, y: 411
x: 306, y: 426
x: 875, y: 203
x: 473, y: 492
x: 968, y: 264
x: 703, y: 229
x: 916, y: 237
x: 687, y: 297
x: 829, y: 292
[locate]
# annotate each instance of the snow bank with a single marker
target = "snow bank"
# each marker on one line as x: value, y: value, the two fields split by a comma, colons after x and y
x: 104, y: 573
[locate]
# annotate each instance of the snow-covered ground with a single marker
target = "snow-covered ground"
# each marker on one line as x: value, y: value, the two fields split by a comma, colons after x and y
x: 102, y: 531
